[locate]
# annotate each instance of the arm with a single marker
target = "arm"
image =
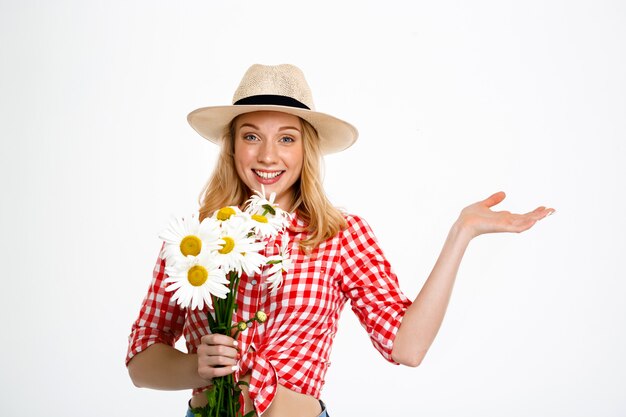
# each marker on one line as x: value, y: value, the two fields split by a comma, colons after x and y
x: 152, y: 360
x: 423, y: 318
x: 163, y: 367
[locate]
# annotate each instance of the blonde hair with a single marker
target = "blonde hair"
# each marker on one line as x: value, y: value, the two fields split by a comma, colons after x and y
x: 225, y: 188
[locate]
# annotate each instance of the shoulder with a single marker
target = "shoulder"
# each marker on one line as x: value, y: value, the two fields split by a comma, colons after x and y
x: 354, y: 221
x: 356, y: 227
x: 359, y: 245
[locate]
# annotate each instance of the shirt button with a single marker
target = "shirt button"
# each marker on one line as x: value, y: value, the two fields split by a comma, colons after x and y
x: 253, y: 282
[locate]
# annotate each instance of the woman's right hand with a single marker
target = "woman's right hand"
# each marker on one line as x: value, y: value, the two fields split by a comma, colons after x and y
x: 217, y: 356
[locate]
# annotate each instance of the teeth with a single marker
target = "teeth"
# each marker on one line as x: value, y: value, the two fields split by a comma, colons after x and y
x: 268, y: 175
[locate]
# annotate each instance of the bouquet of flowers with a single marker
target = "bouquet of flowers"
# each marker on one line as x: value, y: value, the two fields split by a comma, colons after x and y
x: 204, y: 263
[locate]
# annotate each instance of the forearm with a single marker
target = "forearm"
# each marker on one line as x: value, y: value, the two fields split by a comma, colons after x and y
x: 163, y: 367
x: 423, y: 318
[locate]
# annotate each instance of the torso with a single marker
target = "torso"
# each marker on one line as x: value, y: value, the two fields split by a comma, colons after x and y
x: 287, y: 403
x: 303, y: 316
x: 292, y: 347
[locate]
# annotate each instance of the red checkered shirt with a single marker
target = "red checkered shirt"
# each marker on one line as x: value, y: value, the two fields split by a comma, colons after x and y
x: 292, y: 347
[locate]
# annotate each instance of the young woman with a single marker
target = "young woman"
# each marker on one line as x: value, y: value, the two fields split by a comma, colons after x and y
x: 272, y: 137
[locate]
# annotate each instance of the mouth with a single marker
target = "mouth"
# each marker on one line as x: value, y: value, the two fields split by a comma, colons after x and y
x: 267, y: 177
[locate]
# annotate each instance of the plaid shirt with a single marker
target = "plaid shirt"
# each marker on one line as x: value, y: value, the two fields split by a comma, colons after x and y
x: 292, y: 347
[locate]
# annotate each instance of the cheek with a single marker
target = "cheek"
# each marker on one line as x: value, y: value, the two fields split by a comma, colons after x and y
x: 241, y: 166
x: 241, y: 157
x: 300, y: 162
x: 296, y: 159
x: 299, y: 167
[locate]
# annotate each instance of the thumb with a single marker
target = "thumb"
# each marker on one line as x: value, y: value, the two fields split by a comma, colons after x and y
x: 494, y: 199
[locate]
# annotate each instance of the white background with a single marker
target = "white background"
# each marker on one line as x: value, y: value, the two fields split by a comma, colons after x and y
x: 454, y: 100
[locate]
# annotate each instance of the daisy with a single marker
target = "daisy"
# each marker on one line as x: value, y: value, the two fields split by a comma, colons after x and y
x: 225, y: 213
x: 268, y: 219
x: 194, y: 279
x: 258, y: 201
x: 266, y: 226
x: 239, y: 251
x: 281, y: 264
x: 186, y: 236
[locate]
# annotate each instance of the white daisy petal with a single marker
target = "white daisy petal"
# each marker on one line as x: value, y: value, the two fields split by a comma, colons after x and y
x: 279, y: 265
x: 188, y: 237
x: 209, y: 232
x: 194, y: 280
x: 240, y: 250
x: 268, y: 219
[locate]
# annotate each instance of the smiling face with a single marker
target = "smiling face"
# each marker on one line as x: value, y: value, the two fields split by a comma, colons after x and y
x: 269, y: 151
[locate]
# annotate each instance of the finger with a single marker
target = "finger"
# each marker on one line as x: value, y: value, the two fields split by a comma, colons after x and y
x: 494, y: 199
x: 217, y: 350
x: 216, y: 361
x: 210, y: 373
x: 522, y: 222
x: 537, y: 213
x: 541, y: 212
x: 218, y: 339
x: 549, y: 212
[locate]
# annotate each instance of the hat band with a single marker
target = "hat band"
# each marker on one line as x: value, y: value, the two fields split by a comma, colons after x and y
x: 271, y: 99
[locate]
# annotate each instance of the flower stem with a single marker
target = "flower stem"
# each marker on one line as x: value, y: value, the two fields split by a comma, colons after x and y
x: 227, y: 399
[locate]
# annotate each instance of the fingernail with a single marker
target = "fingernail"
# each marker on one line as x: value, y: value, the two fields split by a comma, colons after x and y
x: 235, y: 343
x: 235, y: 368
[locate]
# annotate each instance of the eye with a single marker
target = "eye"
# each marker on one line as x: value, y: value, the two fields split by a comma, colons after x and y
x: 250, y: 137
x: 287, y: 139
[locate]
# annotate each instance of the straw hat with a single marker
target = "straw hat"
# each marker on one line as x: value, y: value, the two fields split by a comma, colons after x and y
x: 274, y: 88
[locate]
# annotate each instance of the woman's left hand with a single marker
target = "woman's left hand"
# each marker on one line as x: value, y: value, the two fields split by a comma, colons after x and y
x: 478, y: 218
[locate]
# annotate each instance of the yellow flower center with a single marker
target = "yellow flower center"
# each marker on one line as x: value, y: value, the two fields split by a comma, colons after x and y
x: 259, y: 218
x: 225, y: 213
x: 227, y: 247
x: 190, y: 245
x: 197, y: 275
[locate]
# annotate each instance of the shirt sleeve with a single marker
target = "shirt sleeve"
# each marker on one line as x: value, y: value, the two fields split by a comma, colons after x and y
x: 371, y: 286
x: 160, y: 319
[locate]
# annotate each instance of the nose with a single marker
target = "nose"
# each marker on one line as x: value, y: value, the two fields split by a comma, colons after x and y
x: 267, y: 153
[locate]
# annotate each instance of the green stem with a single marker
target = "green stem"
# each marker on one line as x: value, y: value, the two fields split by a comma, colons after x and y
x: 227, y: 397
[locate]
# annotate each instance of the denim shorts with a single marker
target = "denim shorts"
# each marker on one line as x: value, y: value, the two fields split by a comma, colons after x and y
x: 323, y: 414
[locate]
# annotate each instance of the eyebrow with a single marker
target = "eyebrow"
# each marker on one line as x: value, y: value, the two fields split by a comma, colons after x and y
x: 280, y: 129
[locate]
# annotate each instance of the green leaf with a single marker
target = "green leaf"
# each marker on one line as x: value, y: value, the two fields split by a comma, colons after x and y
x: 269, y: 209
x: 244, y: 383
x: 273, y: 262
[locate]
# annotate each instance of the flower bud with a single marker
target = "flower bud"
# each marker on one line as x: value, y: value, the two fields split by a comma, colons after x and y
x: 260, y: 316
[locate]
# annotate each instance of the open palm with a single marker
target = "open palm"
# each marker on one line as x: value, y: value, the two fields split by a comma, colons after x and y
x: 479, y: 218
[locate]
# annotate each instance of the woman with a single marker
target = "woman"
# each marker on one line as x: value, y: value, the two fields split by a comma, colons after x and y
x: 272, y: 138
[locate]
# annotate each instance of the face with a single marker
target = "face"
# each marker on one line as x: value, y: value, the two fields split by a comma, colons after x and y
x: 269, y: 152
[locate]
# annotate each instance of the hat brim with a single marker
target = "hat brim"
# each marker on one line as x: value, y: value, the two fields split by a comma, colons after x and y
x: 335, y: 134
